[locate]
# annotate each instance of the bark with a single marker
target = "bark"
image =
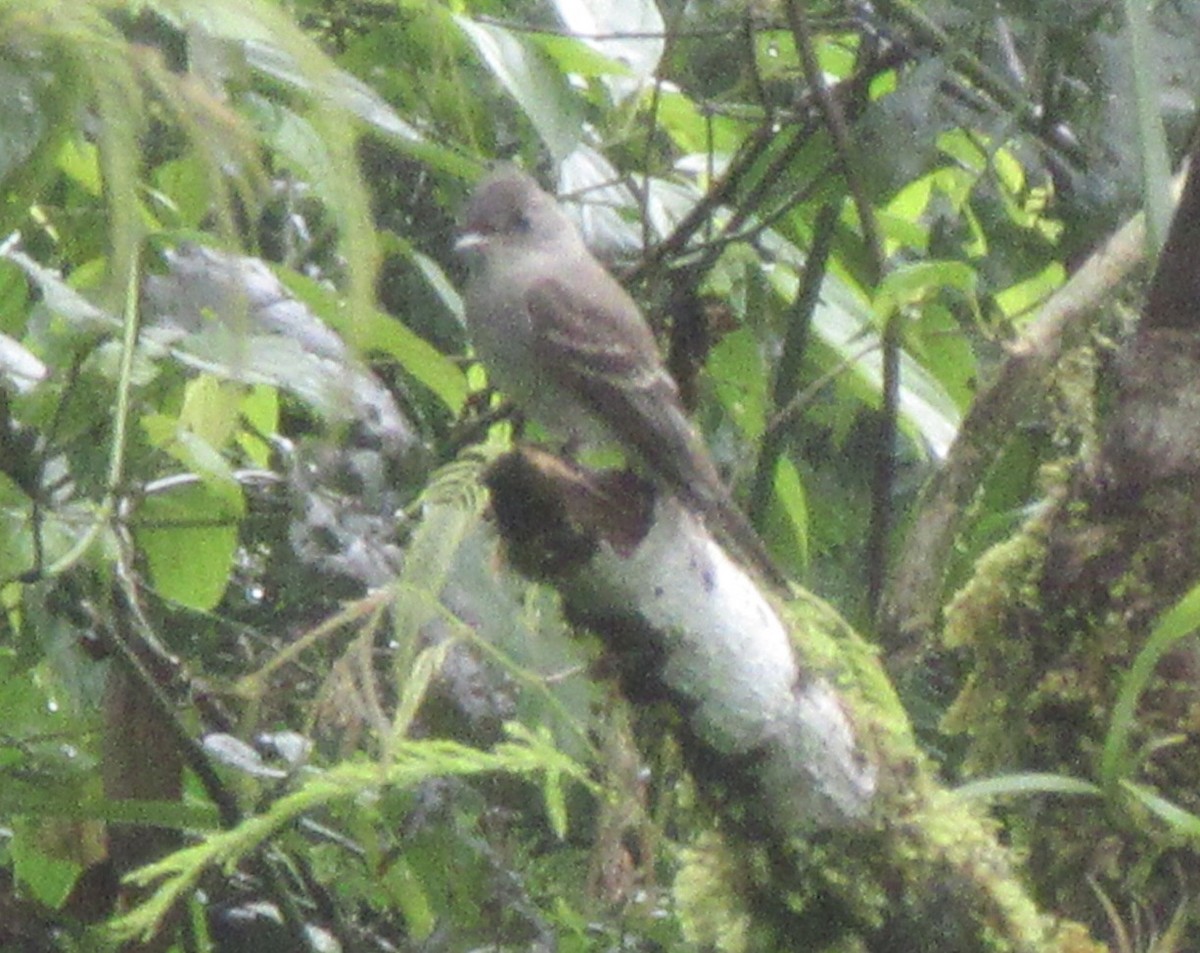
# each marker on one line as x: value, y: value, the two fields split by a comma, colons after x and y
x: 1055, y: 618
x: 911, y: 611
x: 830, y: 830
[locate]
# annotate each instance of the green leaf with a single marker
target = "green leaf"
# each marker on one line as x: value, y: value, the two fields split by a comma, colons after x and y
x: 556, y: 803
x: 194, y: 452
x: 775, y: 54
x: 539, y: 89
x: 847, y: 325
x: 406, y: 889
x: 837, y: 55
x: 902, y: 221
x: 629, y: 31
x: 45, y: 875
x: 1152, y: 135
x: 25, y: 124
x: 189, y: 538
x: 1174, y: 625
x: 694, y: 130
x: 902, y: 232
x: 317, y: 77
x: 184, y: 187
x: 573, y: 55
x: 80, y: 161
x: 211, y: 409
x: 915, y: 283
x: 432, y: 272
x: 1026, y: 783
x: 381, y: 333
x: 787, y: 516
x: 938, y: 342
x: 14, y: 299
x: 737, y: 371
x: 1008, y: 170
x: 297, y: 145
x: 1181, y: 821
x: 1021, y: 298
x: 60, y: 298
x: 16, y: 520
x: 539, y: 746
x: 260, y: 410
x: 965, y: 148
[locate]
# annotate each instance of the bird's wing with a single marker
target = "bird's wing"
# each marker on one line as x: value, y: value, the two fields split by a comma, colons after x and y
x: 588, y: 320
x: 599, y: 348
x: 601, y: 351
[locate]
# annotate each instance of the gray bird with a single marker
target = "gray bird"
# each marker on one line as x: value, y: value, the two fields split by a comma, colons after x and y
x: 564, y: 340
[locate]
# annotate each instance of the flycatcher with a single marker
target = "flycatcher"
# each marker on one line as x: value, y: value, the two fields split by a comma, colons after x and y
x: 563, y: 339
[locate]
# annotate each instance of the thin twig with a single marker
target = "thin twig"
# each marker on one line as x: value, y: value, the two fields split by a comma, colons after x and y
x: 799, y: 327
x: 885, y: 464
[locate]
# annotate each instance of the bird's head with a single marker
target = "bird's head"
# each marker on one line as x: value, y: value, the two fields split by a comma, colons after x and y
x: 509, y: 211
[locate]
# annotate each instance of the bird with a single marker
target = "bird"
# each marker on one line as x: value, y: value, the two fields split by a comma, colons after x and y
x: 568, y: 345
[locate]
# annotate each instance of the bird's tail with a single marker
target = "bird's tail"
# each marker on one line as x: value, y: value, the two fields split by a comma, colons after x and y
x: 733, y: 529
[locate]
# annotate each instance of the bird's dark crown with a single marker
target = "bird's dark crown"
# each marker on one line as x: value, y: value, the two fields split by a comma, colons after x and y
x: 508, y: 202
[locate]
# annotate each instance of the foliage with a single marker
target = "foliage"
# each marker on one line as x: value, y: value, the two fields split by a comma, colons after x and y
x: 240, y: 442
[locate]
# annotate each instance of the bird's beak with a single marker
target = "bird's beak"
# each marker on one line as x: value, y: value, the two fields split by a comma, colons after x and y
x: 470, y: 241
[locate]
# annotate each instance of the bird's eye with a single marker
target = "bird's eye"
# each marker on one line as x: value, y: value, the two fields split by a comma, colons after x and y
x: 522, y: 223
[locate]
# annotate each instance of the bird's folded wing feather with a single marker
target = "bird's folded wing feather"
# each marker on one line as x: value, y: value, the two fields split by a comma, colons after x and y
x: 605, y: 355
